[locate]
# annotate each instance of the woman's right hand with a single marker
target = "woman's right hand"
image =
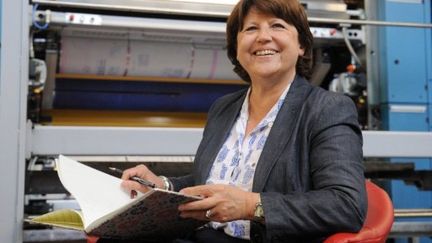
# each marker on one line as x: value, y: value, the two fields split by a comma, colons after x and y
x: 143, y: 172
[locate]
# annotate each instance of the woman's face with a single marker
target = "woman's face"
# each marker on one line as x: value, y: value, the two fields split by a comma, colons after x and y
x: 268, y: 47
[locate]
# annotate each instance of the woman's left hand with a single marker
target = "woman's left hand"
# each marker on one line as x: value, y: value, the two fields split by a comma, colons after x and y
x: 221, y: 203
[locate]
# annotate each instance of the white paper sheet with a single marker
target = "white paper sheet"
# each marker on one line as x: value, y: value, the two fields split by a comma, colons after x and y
x: 96, y: 192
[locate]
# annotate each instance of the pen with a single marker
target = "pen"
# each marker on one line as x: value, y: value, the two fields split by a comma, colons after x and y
x: 135, y: 178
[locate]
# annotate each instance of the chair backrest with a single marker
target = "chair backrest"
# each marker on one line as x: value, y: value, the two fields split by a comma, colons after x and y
x: 379, y: 219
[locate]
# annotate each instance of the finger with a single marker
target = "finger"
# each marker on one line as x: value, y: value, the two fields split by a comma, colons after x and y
x: 133, y: 194
x: 133, y: 185
x: 199, y: 215
x: 139, y: 170
x: 198, y: 205
x: 220, y: 216
x: 202, y: 190
x: 212, y: 214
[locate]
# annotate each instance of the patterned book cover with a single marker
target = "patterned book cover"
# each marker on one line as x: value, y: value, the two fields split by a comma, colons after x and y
x: 154, y: 216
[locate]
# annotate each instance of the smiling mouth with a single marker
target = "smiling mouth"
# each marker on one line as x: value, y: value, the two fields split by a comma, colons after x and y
x: 265, y: 53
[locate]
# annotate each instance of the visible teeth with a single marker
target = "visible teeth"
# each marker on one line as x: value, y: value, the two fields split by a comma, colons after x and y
x: 265, y: 52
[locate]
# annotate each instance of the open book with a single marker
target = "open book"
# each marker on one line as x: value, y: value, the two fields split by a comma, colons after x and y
x: 108, y: 211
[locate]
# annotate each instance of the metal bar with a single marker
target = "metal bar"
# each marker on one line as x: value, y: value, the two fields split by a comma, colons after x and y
x: 388, y: 144
x: 411, y: 229
x: 163, y: 7
x: 368, y: 22
x: 409, y: 213
x: 154, y: 24
x: 52, y: 140
x: 166, y: 27
x: 69, y: 140
x: 197, y: 8
x: 53, y: 235
x: 218, y: 10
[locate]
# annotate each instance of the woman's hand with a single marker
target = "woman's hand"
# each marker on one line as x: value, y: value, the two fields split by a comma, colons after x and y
x: 143, y: 172
x: 226, y: 203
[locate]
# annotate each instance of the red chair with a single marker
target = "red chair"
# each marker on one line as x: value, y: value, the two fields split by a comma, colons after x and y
x: 379, y: 219
x: 92, y: 239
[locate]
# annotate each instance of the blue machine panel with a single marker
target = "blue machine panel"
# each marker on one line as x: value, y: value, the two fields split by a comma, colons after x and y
x: 408, y: 196
x: 408, y: 117
x: 430, y: 102
x: 428, y: 12
x: 430, y: 115
x: 404, y: 68
x: 406, y: 83
x: 403, y: 195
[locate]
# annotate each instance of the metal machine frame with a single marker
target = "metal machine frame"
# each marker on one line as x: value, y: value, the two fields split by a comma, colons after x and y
x: 13, y: 92
x: 52, y: 140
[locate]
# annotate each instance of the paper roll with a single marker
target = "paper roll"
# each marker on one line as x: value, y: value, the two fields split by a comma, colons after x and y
x: 120, y: 57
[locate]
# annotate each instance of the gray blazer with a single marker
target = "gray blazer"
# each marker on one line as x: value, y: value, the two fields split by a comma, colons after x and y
x: 310, y: 173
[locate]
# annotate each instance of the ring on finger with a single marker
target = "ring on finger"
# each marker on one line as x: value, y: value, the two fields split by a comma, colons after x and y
x: 208, y: 214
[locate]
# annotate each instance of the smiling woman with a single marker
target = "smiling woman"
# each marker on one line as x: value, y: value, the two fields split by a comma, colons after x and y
x: 280, y: 161
x: 268, y: 48
x: 289, y: 12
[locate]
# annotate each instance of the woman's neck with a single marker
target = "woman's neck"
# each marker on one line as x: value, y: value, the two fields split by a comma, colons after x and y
x: 262, y: 98
x: 265, y: 92
x: 264, y: 87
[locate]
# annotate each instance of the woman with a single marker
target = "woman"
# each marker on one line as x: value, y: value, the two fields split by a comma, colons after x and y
x: 282, y: 160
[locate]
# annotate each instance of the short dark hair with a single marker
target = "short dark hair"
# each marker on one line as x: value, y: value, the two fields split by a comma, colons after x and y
x: 291, y: 11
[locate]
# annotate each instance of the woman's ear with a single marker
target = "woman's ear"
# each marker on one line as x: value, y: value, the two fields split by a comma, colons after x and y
x: 301, y: 51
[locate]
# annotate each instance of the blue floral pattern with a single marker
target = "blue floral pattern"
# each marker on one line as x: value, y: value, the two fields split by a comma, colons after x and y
x: 222, y: 154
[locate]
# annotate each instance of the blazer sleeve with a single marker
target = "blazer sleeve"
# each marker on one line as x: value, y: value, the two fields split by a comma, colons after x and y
x: 336, y: 200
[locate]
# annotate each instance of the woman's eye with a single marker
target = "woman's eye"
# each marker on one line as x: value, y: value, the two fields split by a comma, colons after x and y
x: 250, y: 28
x: 280, y: 26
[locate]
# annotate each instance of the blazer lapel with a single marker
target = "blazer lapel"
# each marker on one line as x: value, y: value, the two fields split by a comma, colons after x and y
x: 281, y: 131
x: 224, y: 125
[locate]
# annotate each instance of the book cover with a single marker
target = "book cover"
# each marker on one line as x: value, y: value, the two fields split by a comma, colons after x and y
x: 108, y: 211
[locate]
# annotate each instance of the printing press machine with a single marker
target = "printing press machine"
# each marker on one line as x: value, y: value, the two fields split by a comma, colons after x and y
x: 115, y: 84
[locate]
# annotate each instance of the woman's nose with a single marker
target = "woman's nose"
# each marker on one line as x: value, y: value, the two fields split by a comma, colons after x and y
x: 264, y: 35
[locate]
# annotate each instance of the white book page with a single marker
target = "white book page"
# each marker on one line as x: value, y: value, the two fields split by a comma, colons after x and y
x: 97, y: 193
x: 96, y: 223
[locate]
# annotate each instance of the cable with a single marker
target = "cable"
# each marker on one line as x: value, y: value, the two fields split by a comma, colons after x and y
x: 32, y: 163
x: 348, y: 44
